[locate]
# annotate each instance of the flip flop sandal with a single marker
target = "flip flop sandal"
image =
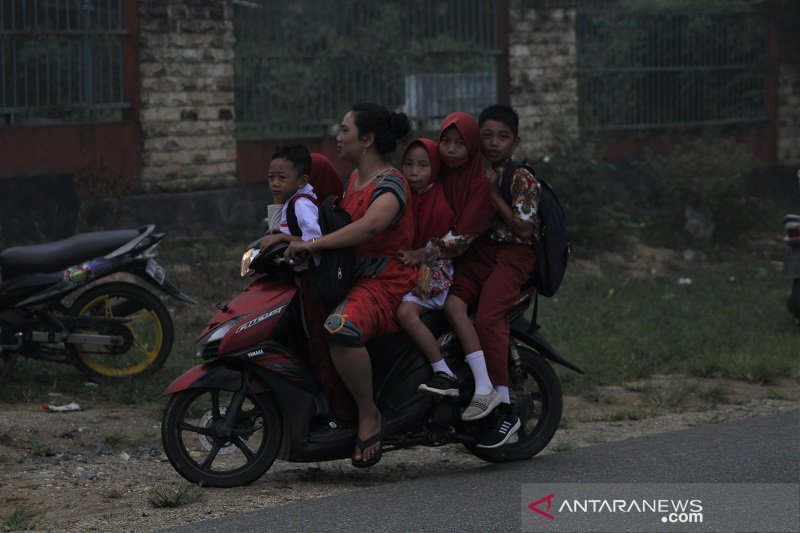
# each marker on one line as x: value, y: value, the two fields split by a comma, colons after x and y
x: 363, y: 445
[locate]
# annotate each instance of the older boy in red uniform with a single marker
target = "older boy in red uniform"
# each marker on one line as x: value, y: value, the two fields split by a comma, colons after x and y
x: 491, y: 274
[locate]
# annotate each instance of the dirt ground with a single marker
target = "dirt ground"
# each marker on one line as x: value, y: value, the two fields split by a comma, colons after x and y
x: 93, y: 470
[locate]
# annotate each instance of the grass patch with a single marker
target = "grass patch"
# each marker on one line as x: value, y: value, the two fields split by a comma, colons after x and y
x: 8, y: 459
x: 37, y: 448
x: 184, y: 494
x: 712, y: 394
x: 117, y: 439
x: 113, y: 494
x: 21, y: 518
x: 621, y: 330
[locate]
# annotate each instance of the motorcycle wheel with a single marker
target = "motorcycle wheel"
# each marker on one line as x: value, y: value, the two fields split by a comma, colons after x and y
x: 194, y: 439
x: 148, y: 331
x: 538, y: 404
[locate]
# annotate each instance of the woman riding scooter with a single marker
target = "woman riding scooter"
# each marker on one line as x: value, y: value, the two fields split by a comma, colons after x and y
x: 376, y: 199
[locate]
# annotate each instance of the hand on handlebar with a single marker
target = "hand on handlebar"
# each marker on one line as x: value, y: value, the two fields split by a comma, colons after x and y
x: 297, y: 250
x: 269, y: 240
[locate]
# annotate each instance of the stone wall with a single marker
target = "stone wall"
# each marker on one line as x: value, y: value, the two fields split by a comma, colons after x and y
x: 542, y: 61
x: 187, y: 112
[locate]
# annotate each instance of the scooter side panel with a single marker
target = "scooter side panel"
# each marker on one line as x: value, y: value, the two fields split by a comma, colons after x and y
x: 206, y: 375
x: 260, y: 296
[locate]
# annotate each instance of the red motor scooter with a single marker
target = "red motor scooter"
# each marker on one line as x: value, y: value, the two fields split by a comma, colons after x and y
x: 254, y: 397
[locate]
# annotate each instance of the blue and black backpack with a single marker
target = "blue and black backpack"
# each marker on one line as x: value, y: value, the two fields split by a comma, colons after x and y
x: 552, y: 247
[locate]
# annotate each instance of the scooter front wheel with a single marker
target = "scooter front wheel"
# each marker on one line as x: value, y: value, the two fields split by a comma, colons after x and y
x: 538, y: 403
x: 131, y: 313
x: 208, y: 443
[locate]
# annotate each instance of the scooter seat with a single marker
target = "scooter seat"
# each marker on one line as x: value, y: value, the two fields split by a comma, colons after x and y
x: 389, y: 347
x: 58, y: 255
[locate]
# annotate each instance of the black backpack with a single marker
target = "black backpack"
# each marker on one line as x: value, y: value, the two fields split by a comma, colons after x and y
x: 552, y: 248
x: 334, y: 276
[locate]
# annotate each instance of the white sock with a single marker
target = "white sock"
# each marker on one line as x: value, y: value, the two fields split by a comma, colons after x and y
x: 503, y: 390
x: 441, y: 366
x: 477, y: 363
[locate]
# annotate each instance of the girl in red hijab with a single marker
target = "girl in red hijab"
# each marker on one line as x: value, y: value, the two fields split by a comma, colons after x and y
x: 466, y: 187
x: 434, y: 217
x: 324, y: 178
x: 464, y: 180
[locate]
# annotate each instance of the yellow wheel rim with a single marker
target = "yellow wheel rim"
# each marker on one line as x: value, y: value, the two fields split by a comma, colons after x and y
x: 148, y: 338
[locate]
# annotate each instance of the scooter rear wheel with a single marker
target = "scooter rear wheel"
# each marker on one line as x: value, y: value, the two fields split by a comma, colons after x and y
x: 147, y: 330
x: 200, y: 448
x: 538, y: 404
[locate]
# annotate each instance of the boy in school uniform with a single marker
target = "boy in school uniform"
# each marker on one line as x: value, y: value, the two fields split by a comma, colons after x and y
x: 491, y: 274
x: 287, y: 177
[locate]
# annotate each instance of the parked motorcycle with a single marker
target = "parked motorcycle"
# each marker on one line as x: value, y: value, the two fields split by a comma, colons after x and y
x: 111, y: 329
x: 254, y: 398
x: 791, y: 265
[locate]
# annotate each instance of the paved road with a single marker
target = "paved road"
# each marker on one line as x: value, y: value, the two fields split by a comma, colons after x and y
x: 756, y: 450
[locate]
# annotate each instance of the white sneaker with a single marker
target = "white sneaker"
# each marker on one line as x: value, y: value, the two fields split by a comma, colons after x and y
x: 481, y: 405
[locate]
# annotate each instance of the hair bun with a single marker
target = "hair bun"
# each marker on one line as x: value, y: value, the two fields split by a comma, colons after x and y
x: 399, y: 124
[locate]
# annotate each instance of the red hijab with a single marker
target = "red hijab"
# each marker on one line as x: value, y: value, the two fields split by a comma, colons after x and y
x: 467, y: 187
x: 433, y: 215
x: 324, y: 178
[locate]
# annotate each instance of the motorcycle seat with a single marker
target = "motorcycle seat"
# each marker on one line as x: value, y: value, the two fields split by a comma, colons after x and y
x: 58, y: 255
x: 388, y: 347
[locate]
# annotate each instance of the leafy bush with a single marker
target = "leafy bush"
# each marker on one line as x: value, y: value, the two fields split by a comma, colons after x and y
x: 707, y: 181
x: 595, y: 216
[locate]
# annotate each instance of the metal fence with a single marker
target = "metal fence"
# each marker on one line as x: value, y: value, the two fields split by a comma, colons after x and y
x: 60, y: 61
x: 300, y: 65
x: 642, y: 68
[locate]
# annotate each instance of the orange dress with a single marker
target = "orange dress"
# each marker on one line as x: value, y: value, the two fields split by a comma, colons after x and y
x: 368, y: 311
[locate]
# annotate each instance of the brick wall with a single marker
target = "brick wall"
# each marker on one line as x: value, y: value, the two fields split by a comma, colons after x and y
x: 544, y: 83
x: 789, y: 115
x: 187, y: 114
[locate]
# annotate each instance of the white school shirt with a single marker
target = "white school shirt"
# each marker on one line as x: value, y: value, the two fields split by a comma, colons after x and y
x: 307, y: 218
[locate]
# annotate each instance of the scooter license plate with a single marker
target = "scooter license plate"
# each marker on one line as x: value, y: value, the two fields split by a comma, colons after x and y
x: 155, y: 271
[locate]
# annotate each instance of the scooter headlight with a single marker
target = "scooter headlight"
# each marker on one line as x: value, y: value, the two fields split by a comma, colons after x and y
x: 248, y: 258
x: 208, y: 345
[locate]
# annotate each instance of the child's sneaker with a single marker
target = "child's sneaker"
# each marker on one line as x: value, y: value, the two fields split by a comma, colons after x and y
x: 502, y: 428
x: 481, y: 405
x: 440, y: 384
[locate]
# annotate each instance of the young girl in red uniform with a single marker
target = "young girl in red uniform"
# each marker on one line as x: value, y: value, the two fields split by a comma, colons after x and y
x: 434, y: 218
